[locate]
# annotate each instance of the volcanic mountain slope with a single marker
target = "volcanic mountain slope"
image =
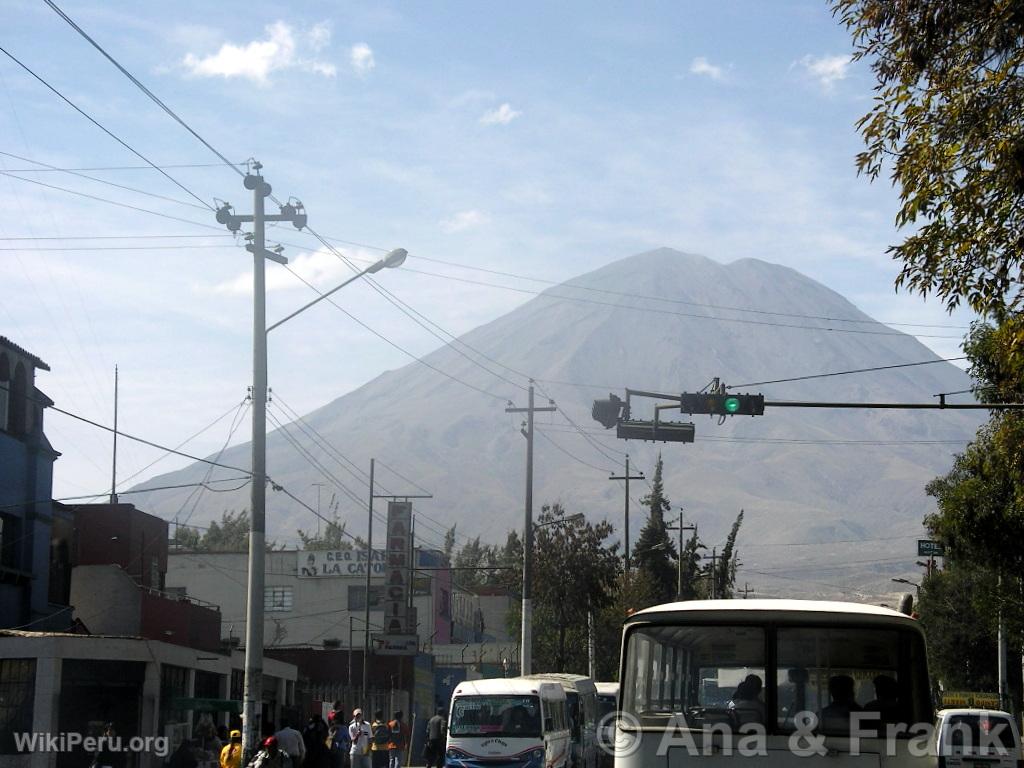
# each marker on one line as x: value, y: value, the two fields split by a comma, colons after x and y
x: 833, y: 499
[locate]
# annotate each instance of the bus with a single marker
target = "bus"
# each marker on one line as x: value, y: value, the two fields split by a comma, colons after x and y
x: 773, y: 682
x: 511, y: 722
x: 581, y: 698
x: 607, y: 709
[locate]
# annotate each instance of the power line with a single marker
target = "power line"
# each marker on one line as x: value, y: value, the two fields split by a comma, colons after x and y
x: 143, y: 440
x: 107, y: 201
x: 646, y: 297
x: 141, y: 87
x: 95, y: 122
x: 49, y: 167
x: 845, y: 373
x: 401, y: 349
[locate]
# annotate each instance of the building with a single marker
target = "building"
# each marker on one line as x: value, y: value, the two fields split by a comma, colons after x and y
x: 35, y: 539
x: 62, y: 683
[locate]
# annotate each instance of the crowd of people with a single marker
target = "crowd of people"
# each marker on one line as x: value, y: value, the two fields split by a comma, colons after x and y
x: 341, y: 742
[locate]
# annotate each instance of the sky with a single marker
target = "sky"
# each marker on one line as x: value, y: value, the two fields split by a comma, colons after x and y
x: 541, y: 140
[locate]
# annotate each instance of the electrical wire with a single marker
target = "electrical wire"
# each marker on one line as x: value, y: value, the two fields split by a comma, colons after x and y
x: 95, y: 122
x: 401, y: 349
x: 845, y: 373
x: 141, y: 87
x: 49, y: 167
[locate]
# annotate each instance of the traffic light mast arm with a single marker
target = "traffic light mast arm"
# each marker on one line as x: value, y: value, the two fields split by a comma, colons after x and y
x: 911, y: 406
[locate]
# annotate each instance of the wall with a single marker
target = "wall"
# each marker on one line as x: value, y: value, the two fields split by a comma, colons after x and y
x: 106, y: 600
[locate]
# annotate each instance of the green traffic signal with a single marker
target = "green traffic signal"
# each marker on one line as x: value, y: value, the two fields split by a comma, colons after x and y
x: 731, y: 404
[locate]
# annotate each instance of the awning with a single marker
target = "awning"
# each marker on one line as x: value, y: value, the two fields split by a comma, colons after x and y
x: 205, y: 705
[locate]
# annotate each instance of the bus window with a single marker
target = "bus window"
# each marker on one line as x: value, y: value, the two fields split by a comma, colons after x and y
x: 834, y: 673
x: 707, y: 674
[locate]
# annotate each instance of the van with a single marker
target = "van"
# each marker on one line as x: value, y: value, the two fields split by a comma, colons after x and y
x: 607, y: 710
x: 977, y: 738
x: 512, y: 722
x: 581, y: 698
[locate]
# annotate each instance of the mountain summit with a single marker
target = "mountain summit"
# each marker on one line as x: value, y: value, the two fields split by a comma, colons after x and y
x: 833, y: 499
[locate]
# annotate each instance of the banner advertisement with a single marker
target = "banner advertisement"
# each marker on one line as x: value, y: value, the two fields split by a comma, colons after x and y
x: 397, y: 575
x: 311, y: 564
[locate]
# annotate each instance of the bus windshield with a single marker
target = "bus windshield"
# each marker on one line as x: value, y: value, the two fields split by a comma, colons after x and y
x: 517, y: 716
x: 718, y: 675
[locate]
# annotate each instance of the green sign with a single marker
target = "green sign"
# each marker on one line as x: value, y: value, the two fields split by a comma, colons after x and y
x: 926, y: 548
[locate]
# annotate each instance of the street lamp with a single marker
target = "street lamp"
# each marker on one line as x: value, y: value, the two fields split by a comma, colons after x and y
x: 251, y: 714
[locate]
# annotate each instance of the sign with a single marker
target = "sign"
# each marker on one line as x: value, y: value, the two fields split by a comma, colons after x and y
x: 926, y: 548
x: 970, y: 699
x: 311, y: 564
x: 395, y: 645
x: 399, y: 569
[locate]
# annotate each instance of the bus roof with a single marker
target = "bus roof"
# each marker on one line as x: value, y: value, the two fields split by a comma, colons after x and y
x: 580, y: 683
x: 514, y: 686
x: 607, y: 688
x: 745, y: 608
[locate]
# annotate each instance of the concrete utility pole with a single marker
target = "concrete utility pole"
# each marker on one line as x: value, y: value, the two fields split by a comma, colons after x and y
x: 680, y: 528
x: 253, y: 697
x: 369, y: 571
x: 113, y: 469
x: 714, y: 573
x: 627, y: 477
x: 526, y: 645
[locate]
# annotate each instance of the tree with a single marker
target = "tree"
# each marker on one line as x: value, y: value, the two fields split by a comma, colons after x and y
x: 655, y: 552
x: 334, y: 537
x: 959, y: 626
x: 948, y: 116
x: 231, y: 534
x: 449, y: 543
x: 575, y: 571
x: 690, y: 557
x: 185, y: 537
x: 723, y: 569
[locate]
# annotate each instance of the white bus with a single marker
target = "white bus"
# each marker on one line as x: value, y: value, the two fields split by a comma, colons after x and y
x: 512, y: 722
x: 773, y: 683
x: 581, y: 699
x: 607, y: 709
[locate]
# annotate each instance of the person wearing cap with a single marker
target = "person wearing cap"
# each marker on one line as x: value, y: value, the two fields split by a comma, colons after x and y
x: 271, y: 756
x: 359, y: 733
x: 231, y: 754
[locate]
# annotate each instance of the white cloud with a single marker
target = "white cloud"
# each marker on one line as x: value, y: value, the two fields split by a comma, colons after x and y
x: 503, y: 115
x: 827, y: 70
x: 362, y: 60
x: 283, y: 48
x: 701, y: 66
x: 461, y: 221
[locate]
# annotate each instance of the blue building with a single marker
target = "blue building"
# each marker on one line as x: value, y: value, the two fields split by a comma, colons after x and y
x: 35, y: 539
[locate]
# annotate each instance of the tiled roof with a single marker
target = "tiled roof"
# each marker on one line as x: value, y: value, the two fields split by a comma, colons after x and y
x: 5, y: 342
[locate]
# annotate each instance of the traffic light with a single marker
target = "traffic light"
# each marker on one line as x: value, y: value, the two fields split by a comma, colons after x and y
x: 663, y: 431
x: 608, y: 412
x: 722, y: 404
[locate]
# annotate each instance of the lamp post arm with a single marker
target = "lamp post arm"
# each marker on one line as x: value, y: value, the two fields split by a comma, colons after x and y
x: 321, y: 297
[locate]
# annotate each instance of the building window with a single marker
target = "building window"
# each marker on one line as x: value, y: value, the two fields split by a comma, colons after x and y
x: 17, y: 696
x: 277, y: 598
x: 10, y: 538
x: 357, y: 597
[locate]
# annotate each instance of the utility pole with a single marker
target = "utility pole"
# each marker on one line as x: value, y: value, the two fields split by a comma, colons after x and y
x: 253, y: 696
x: 318, y: 487
x: 1002, y: 662
x: 714, y: 573
x: 113, y: 470
x: 591, y: 651
x: 369, y: 570
x: 526, y: 645
x: 746, y: 590
x: 627, y: 477
x: 680, y: 528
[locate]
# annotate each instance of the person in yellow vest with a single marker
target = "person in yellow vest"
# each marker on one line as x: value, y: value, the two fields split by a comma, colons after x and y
x: 231, y: 754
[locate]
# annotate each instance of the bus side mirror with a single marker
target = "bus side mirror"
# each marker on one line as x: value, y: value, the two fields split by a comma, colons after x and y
x: 549, y: 724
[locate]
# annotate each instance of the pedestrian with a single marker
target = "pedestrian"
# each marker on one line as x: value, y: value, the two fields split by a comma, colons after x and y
x: 314, y: 739
x: 271, y: 756
x: 359, y: 734
x: 379, y: 743
x: 437, y: 727
x: 290, y: 742
x: 231, y: 754
x: 398, y: 740
x: 338, y: 741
